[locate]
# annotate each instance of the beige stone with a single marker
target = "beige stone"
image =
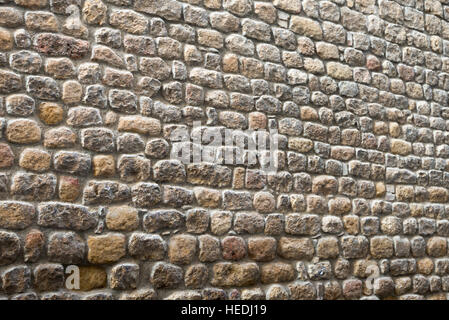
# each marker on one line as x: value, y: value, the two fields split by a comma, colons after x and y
x: 72, y: 91
x: 339, y: 71
x: 306, y: 27
x: 140, y: 124
x: 400, y: 147
x: 300, y: 144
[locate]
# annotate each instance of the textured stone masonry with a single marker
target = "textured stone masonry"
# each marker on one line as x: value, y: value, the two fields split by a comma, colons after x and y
x: 92, y: 93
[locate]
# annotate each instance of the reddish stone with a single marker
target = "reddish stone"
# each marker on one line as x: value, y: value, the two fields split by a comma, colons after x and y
x: 34, y: 245
x: 234, y: 248
x: 6, y: 156
x: 58, y: 45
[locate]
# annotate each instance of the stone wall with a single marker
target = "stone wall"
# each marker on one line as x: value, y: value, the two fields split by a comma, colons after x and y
x: 355, y: 91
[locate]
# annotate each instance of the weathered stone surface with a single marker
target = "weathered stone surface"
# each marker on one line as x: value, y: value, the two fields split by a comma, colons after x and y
x: 10, y: 245
x: 105, y: 192
x: 208, y: 174
x: 182, y: 249
x: 34, y: 246
x: 138, y: 124
x: 233, y: 274
x: 277, y: 272
x: 124, y: 276
x: 66, y: 216
x: 122, y: 218
x: 170, y: 10
x: 16, y: 215
x: 48, y: 277
x: 59, y: 45
x: 59, y: 138
x: 133, y: 168
x: 224, y: 149
x: 233, y: 248
x: 28, y: 186
x: 66, y: 248
x: 7, y: 156
x: 16, y: 279
x: 165, y: 275
x: 51, y: 113
x: 295, y: 248
x: 23, y: 131
x: 163, y: 219
x: 35, y: 160
x: 106, y: 248
x: 19, y: 105
x: 98, y: 140
x: 147, y: 246
x: 95, y: 12
x: 92, y: 278
x: 146, y: 195
x: 9, y: 82
x: 70, y: 162
x: 129, y: 21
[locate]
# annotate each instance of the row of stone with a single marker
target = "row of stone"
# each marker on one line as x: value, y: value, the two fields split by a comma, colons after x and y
x: 25, y: 131
x: 423, y: 220
x: 403, y: 288
x: 50, y: 277
x: 173, y: 91
x: 135, y: 168
x: 70, y: 248
x: 158, y: 68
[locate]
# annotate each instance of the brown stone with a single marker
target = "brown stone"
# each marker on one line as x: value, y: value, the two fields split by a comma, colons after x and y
x: 23, y: 131
x: 234, y: 248
x: 277, y: 272
x: 92, y: 278
x: 324, y: 185
x: 206, y: 197
x: 302, y: 290
x: 35, y: 160
x: 400, y: 147
x: 103, y: 166
x: 262, y: 248
x: 6, y: 40
x: 106, y: 248
x: 381, y: 247
x: 437, y: 247
x: 123, y: 218
x: 196, y: 276
x: 16, y: 215
x: 327, y: 248
x: 6, y: 156
x: 51, y: 113
x: 295, y: 248
x: 31, y: 3
x: 182, y: 249
x: 34, y: 246
x: 227, y: 274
